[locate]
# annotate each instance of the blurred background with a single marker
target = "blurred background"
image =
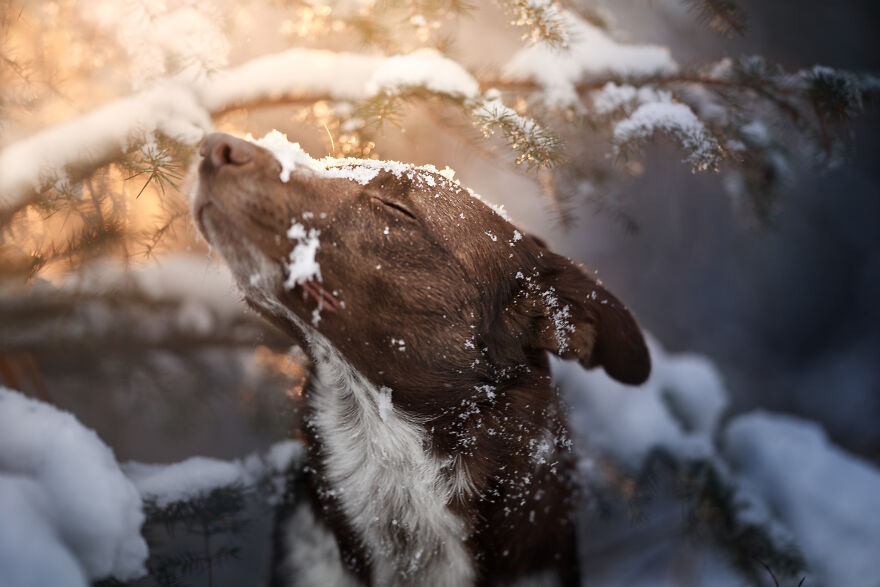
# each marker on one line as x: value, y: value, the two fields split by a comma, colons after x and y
x: 135, y: 328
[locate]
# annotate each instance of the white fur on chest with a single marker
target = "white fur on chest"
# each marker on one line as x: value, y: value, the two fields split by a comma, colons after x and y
x: 393, y: 491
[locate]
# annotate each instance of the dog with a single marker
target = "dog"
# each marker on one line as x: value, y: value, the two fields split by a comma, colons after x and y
x: 438, y: 452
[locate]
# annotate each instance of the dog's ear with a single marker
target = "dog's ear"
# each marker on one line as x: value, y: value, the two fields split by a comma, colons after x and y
x: 575, y: 317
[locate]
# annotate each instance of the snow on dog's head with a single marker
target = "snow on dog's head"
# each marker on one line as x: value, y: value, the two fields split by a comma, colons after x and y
x: 411, y: 277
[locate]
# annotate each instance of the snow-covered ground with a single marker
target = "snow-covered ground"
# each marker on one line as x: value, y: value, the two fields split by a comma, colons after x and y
x: 787, y: 476
x: 71, y: 514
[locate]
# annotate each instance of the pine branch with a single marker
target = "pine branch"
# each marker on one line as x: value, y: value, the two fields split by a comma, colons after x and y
x: 542, y: 18
x: 832, y: 98
x: 715, y: 509
x: 725, y: 16
x: 158, y: 164
x: 535, y: 145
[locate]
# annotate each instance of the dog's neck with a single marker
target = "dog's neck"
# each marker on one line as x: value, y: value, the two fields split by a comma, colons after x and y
x: 393, y: 491
x: 378, y: 468
x: 401, y: 490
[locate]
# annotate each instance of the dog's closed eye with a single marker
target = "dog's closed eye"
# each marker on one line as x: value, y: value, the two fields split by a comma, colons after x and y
x: 398, y: 207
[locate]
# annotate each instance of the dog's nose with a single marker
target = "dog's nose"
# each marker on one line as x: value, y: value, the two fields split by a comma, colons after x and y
x: 221, y: 149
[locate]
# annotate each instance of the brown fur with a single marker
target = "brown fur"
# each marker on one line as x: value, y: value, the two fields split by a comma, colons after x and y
x: 477, y: 315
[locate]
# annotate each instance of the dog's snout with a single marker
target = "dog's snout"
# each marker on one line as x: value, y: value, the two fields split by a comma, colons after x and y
x: 221, y: 149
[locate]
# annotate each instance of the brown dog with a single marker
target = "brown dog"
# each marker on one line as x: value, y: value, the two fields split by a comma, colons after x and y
x: 438, y: 452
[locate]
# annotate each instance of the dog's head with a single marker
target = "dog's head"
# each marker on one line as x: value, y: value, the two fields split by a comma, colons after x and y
x: 407, y: 274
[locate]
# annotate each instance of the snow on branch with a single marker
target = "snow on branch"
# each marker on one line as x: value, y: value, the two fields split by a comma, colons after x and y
x: 774, y: 484
x: 425, y: 69
x: 534, y: 144
x: 82, y: 513
x: 64, y: 154
x: 309, y: 74
x: 591, y: 53
x: 196, y: 477
x: 829, y: 499
x: 674, y: 118
x: 69, y: 151
x: 543, y: 19
x: 655, y: 95
x: 60, y: 487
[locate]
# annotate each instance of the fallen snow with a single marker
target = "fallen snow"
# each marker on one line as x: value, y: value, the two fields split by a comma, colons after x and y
x: 424, y: 68
x: 591, y: 53
x: 336, y: 76
x: 787, y: 477
x: 675, y: 409
x: 97, y: 138
x: 356, y: 173
x: 69, y: 515
x: 31, y: 553
x: 165, y: 484
x: 198, y: 476
x: 292, y: 158
x: 384, y: 403
x: 614, y: 97
x: 673, y: 117
x: 297, y: 72
x: 829, y: 499
x: 201, y: 288
x: 290, y: 155
x: 181, y: 108
x: 302, y: 265
x: 178, y: 277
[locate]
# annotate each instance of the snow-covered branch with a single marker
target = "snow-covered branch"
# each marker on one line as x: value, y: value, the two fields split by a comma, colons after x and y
x: 183, y: 112
x: 776, y: 483
x: 61, y: 487
x: 553, y: 80
x: 73, y: 150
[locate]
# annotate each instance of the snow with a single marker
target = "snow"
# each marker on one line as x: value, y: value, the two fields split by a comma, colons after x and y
x: 296, y: 72
x: 69, y: 515
x: 756, y: 133
x: 337, y: 76
x: 828, y: 498
x: 290, y: 155
x: 41, y: 559
x: 97, y: 138
x: 182, y: 40
x: 181, y: 108
x: 424, y: 68
x: 648, y: 110
x: 356, y: 173
x: 787, y: 477
x: 490, y: 112
x: 673, y: 117
x: 628, y: 423
x: 541, y: 17
x: 385, y: 405
x: 692, y: 387
x: 302, y: 266
x: 293, y: 158
x: 613, y: 97
x: 278, y: 458
x: 164, y: 484
x: 591, y: 53
x: 362, y: 171
x: 178, y: 277
x: 185, y: 480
